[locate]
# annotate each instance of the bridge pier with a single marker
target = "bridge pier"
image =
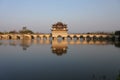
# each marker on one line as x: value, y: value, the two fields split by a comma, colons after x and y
x: 35, y: 37
x: 64, y: 38
x: 91, y: 38
x: 54, y: 38
x: 72, y: 38
x: 47, y: 37
x: 78, y: 38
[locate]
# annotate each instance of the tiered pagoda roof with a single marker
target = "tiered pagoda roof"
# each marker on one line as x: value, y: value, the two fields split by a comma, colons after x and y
x: 59, y: 25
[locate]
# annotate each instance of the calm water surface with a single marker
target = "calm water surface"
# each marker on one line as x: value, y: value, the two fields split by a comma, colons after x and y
x: 45, y: 60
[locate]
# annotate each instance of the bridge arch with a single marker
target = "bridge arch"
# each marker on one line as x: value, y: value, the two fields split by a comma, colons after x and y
x: 0, y: 36
x: 75, y: 37
x: 9, y: 37
x: 38, y: 37
x: 101, y: 37
x: 107, y: 37
x: 44, y: 37
x: 47, y: 36
x: 88, y: 38
x: 82, y: 37
x: 27, y: 37
x: 69, y: 37
x: 32, y: 37
x: 60, y: 38
x: 18, y: 37
x: 95, y: 37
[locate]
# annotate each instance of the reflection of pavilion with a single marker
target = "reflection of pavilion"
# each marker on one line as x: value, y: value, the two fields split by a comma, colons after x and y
x: 59, y: 47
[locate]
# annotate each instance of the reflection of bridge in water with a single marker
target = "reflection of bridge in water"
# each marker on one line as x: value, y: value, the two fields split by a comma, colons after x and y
x: 58, y: 47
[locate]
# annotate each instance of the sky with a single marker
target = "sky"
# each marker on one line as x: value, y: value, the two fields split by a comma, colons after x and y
x: 79, y: 15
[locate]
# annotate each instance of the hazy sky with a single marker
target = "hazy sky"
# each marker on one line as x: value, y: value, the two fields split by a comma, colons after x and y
x: 79, y: 15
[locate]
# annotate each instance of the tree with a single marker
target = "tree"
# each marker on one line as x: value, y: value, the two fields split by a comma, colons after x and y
x: 13, y: 32
x: 26, y: 31
x: 117, y: 33
x: 1, y: 32
x: 118, y: 77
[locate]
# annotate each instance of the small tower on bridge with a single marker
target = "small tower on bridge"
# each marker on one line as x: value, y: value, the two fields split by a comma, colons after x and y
x: 59, y: 30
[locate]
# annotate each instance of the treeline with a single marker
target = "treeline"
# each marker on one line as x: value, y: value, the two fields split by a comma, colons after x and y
x: 100, y: 33
x: 117, y: 33
x: 23, y: 31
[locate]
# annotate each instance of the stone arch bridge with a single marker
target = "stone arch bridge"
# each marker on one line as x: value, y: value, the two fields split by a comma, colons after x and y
x: 58, y: 30
x: 48, y: 36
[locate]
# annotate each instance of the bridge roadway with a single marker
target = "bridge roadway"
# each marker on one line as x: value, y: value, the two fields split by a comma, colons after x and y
x: 49, y: 35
